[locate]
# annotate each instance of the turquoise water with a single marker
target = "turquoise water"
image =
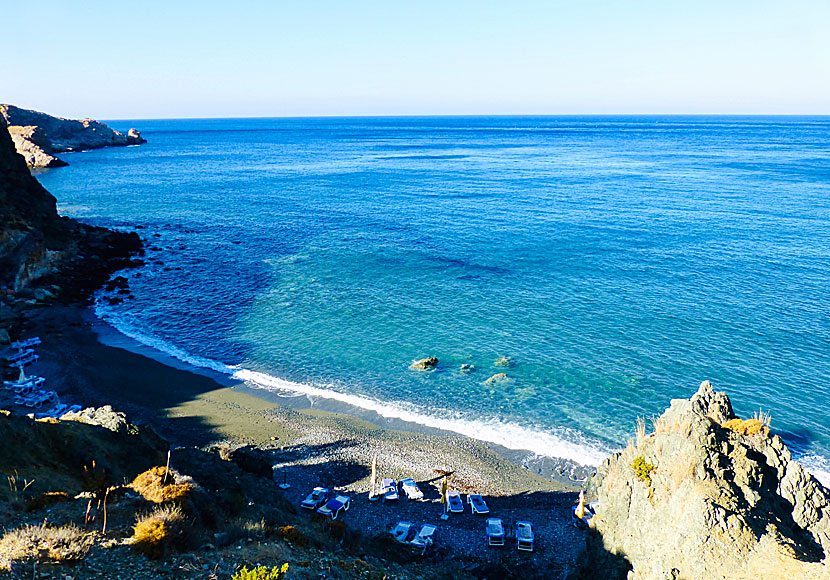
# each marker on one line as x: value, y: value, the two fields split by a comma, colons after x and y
x: 619, y: 261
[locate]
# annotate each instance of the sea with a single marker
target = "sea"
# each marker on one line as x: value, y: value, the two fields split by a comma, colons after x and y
x: 608, y: 263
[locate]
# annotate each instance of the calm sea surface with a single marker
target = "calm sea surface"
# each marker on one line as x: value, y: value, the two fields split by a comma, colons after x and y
x: 618, y: 261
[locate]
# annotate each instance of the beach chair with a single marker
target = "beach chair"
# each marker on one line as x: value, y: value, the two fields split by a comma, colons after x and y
x: 424, y: 539
x: 403, y: 532
x: 477, y: 504
x: 22, y: 344
x: 73, y: 409
x: 524, y: 536
x: 53, y: 413
x: 454, y: 503
x: 25, y: 386
x: 20, y: 355
x: 334, y: 506
x: 315, y: 499
x: 495, y: 532
x: 411, y: 490
x: 38, y: 400
x: 389, y: 489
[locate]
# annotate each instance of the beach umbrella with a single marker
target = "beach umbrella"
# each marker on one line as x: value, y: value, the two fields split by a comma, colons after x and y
x: 580, y: 509
x: 374, y: 477
x: 444, y: 490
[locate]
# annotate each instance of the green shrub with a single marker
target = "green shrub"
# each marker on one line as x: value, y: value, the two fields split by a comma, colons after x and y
x: 642, y: 469
x: 261, y: 573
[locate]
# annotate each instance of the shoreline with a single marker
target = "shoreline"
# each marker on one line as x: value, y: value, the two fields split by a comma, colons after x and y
x: 563, y: 470
x: 83, y: 356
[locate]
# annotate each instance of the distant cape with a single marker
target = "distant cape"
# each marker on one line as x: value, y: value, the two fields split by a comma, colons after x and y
x: 38, y: 136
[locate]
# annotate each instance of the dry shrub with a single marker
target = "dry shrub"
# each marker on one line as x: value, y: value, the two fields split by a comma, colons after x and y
x: 47, y: 499
x: 157, y: 486
x: 156, y: 533
x: 641, y: 431
x: 747, y: 426
x: 293, y: 535
x: 59, y: 544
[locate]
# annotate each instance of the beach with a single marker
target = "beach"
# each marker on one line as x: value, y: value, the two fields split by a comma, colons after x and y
x: 309, y: 447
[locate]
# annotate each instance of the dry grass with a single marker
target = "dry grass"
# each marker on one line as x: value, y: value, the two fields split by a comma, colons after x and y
x: 293, y: 535
x: 58, y: 544
x: 747, y: 427
x: 154, y: 534
x: 158, y: 485
x: 641, y: 431
x: 47, y: 499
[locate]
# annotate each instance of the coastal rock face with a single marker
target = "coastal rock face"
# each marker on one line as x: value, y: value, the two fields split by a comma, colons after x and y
x: 708, y: 495
x: 37, y: 136
x: 40, y: 250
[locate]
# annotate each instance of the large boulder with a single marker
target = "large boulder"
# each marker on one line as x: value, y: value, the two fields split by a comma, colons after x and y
x: 708, y: 495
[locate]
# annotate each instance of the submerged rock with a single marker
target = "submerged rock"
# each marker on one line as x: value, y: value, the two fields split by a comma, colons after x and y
x: 503, y: 361
x: 467, y: 368
x: 496, y: 378
x: 708, y: 495
x: 424, y: 364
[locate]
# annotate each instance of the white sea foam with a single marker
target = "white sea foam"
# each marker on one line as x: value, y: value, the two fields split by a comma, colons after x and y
x: 818, y: 466
x: 566, y: 444
x: 509, y: 435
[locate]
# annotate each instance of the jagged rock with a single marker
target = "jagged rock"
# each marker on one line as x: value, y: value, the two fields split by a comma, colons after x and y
x: 31, y: 142
x: 698, y: 500
x: 104, y: 417
x: 252, y: 460
x: 424, y: 364
x: 37, y: 136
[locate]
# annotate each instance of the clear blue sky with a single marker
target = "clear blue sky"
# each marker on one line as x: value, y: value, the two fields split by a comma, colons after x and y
x: 152, y: 59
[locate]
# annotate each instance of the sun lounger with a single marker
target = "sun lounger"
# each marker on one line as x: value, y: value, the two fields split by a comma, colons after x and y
x: 389, y: 490
x: 411, y: 489
x: 495, y: 532
x: 334, y: 506
x: 37, y: 399
x: 315, y: 499
x: 477, y: 504
x: 403, y: 532
x: 454, y: 503
x: 73, y: 409
x: 20, y: 355
x: 26, y: 385
x: 21, y: 344
x: 54, y: 412
x: 20, y: 363
x: 424, y: 538
x: 524, y: 536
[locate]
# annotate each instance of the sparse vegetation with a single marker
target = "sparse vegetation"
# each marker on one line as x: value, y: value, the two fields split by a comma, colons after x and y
x: 58, y: 544
x: 155, y: 533
x: 293, y: 535
x: 643, y: 469
x: 261, y: 573
x: 158, y: 485
x: 747, y: 427
x: 47, y: 499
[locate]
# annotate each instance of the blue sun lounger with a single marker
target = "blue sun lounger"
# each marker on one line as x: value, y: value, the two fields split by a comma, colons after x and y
x: 334, y: 506
x: 477, y: 504
x: 495, y: 532
x: 524, y: 536
x: 454, y: 503
x: 389, y: 489
x: 424, y: 539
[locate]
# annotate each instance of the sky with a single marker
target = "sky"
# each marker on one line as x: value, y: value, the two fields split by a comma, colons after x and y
x: 178, y: 59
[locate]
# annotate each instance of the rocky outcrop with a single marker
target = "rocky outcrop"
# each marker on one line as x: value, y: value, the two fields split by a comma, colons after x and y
x: 38, y: 136
x: 424, y: 364
x: 43, y: 255
x: 708, y: 495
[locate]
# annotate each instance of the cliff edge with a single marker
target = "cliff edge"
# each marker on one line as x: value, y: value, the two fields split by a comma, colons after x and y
x: 708, y: 496
x: 38, y: 136
x: 44, y: 256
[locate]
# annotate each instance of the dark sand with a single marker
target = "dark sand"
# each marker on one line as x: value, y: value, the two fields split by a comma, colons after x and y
x: 310, y: 447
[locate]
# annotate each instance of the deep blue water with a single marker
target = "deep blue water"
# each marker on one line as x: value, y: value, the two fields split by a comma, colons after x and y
x: 619, y: 261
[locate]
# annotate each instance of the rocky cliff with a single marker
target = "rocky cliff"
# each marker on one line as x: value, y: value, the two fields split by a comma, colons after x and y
x: 38, y: 136
x: 44, y: 255
x: 708, y: 496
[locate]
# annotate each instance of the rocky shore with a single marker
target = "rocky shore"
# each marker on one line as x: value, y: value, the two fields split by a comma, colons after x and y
x: 38, y: 136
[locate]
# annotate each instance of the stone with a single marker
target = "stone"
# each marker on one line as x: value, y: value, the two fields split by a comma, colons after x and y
x: 503, y: 361
x: 424, y: 364
x: 716, y: 503
x: 467, y: 368
x: 496, y: 378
